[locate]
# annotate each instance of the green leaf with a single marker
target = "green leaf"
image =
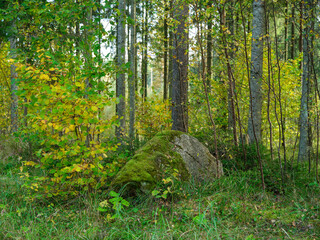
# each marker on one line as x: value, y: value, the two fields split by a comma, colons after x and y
x: 155, y: 192
x: 114, y: 194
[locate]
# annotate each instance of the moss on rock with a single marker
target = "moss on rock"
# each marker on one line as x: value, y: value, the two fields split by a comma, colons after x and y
x: 167, y: 153
x: 156, y: 158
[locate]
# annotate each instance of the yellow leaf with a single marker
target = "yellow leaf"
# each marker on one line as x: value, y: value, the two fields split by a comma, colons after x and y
x: 44, y: 77
x: 94, y: 108
x: 30, y: 163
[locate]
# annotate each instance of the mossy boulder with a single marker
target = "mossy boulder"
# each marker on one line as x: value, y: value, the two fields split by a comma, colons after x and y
x: 168, y: 152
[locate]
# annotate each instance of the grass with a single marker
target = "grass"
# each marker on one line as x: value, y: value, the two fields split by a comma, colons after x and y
x: 233, y: 207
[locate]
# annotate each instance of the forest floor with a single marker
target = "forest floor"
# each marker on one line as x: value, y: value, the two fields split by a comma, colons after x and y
x: 233, y: 207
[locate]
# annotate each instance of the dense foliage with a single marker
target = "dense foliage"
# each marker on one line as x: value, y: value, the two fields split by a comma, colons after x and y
x: 85, y: 83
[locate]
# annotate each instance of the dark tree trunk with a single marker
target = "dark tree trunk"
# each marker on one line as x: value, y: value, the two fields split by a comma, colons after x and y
x: 180, y: 69
x: 209, y: 50
x: 165, y: 57
x: 286, y: 32
x: 132, y: 77
x: 120, y: 81
x: 292, y: 32
x: 144, y: 66
x: 303, y: 154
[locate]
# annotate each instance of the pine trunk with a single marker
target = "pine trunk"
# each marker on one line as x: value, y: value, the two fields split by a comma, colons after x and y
x: 180, y: 69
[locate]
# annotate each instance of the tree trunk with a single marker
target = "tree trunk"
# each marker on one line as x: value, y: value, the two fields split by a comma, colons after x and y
x: 258, y: 30
x: 180, y: 69
x: 286, y: 16
x: 292, y: 31
x: 229, y: 57
x: 304, y: 122
x: 120, y: 80
x: 170, y: 53
x: 301, y: 28
x: 165, y: 57
x: 14, y: 86
x: 132, y: 77
x: 144, y: 66
x: 209, y: 50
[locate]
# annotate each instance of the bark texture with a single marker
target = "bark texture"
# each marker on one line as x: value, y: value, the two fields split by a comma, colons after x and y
x: 132, y: 77
x: 120, y: 81
x: 165, y: 58
x: 258, y: 31
x: 304, y: 122
x: 180, y: 69
x: 14, y: 87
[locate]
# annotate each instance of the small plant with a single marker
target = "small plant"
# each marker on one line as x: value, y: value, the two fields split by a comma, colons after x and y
x: 164, y: 190
x: 117, y: 202
x: 168, y: 185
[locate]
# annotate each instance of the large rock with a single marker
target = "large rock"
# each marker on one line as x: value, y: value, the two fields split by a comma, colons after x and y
x: 166, y: 153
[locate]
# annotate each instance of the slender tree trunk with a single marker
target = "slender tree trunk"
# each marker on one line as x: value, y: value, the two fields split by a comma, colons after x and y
x: 77, y: 37
x: 132, y: 77
x: 258, y: 31
x: 286, y: 17
x: 209, y: 50
x: 303, y: 154
x: 180, y: 69
x: 14, y: 86
x: 88, y: 61
x: 231, y: 106
x: 144, y: 70
x: 301, y: 28
x: 229, y: 57
x: 120, y: 81
x: 170, y: 68
x: 269, y: 85
x: 281, y: 123
x: 292, y: 32
x: 165, y: 57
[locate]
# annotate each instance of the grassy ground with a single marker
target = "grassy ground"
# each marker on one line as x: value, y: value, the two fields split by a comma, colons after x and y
x: 233, y: 207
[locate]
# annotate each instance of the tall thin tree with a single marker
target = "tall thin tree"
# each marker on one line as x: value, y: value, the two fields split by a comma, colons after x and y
x: 303, y: 154
x: 120, y: 80
x: 132, y: 76
x: 165, y: 53
x: 14, y: 84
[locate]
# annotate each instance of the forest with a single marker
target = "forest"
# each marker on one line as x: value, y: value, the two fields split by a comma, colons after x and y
x: 155, y: 119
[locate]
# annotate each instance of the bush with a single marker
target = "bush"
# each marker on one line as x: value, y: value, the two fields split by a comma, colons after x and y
x: 66, y: 118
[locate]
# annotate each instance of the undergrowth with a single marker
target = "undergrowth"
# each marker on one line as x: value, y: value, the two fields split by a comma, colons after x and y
x: 232, y: 207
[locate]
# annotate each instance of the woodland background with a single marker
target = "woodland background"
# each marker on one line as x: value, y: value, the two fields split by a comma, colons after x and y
x: 85, y: 83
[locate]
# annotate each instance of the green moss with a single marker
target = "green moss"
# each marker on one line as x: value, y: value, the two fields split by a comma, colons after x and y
x: 152, y: 161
